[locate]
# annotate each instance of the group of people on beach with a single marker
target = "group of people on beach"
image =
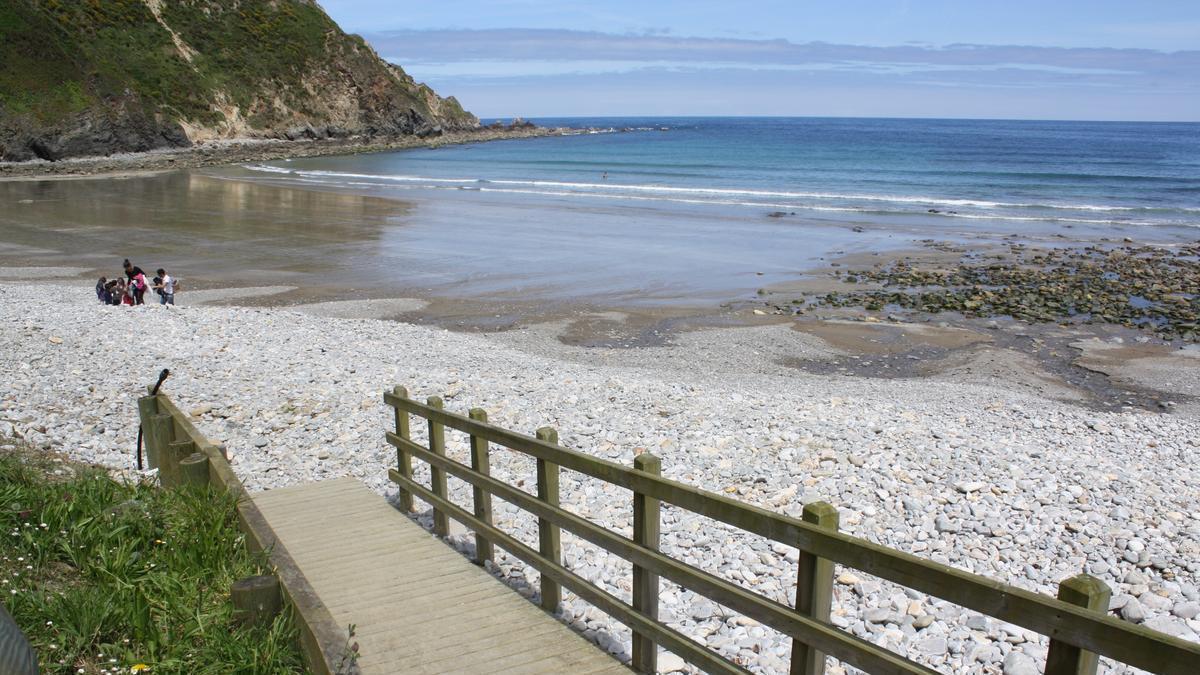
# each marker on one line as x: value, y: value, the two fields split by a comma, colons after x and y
x: 131, y: 288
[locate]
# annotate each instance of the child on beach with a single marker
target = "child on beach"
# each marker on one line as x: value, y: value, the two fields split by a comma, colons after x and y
x: 102, y: 291
x: 164, y: 285
x: 112, y: 295
x: 122, y: 293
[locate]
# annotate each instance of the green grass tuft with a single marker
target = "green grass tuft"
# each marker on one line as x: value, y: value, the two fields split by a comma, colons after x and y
x: 103, y: 575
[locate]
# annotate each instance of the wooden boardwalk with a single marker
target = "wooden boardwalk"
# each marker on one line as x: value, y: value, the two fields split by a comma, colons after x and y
x: 418, y: 605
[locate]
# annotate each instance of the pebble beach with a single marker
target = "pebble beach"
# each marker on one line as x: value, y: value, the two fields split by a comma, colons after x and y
x: 979, y: 475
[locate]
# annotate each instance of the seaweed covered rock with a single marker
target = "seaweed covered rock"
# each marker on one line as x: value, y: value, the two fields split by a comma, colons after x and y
x: 1152, y: 288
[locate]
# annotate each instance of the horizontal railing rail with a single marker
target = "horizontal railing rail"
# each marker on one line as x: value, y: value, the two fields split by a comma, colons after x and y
x: 1078, y: 628
x: 849, y: 648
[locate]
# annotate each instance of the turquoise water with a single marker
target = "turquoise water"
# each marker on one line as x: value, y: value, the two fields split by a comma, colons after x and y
x: 1084, y: 173
x: 679, y: 210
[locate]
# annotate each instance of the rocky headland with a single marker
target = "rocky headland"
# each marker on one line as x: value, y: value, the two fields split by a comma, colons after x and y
x: 238, y: 151
x: 82, y: 79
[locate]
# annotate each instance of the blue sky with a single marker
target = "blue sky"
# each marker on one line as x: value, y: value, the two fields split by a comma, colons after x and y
x: 1051, y: 59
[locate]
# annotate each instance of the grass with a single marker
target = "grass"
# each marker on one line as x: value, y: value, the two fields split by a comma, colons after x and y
x: 103, y: 575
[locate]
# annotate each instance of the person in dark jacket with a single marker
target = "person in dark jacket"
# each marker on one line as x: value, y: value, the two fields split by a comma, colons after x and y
x: 137, y: 280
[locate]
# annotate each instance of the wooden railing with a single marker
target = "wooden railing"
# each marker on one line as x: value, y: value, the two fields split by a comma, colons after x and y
x: 1076, y: 622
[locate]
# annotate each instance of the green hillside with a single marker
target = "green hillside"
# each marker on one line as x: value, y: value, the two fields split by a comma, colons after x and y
x: 80, y: 77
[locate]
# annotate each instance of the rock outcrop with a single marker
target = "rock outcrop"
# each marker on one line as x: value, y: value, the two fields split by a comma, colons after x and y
x: 97, y: 78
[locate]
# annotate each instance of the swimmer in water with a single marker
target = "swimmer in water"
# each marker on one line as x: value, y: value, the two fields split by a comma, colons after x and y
x: 605, y: 176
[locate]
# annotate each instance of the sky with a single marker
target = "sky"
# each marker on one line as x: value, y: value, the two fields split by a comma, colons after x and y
x: 1022, y: 59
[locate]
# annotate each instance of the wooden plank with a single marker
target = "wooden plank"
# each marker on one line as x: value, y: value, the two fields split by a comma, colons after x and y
x: 403, y: 461
x: 437, y: 477
x: 328, y: 544
x: 646, y: 526
x: 405, y: 571
x: 351, y: 598
x: 483, y: 648
x: 549, y: 537
x: 168, y: 461
x: 525, y: 662
x: 1090, y: 593
x: 448, y: 659
x: 352, y: 524
x: 480, y: 657
x: 302, y: 494
x: 147, y: 408
x: 481, y: 499
x: 1129, y: 643
x: 286, y: 496
x: 161, y: 433
x: 193, y: 470
x: 430, y: 622
x: 462, y: 639
x: 401, y: 578
x: 429, y: 632
x: 814, y: 590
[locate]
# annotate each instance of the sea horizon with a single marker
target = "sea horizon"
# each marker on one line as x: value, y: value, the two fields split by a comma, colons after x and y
x: 488, y: 119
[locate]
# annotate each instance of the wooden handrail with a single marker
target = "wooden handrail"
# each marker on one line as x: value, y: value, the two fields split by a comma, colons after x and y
x: 1086, y: 629
x: 665, y: 635
x: 853, y: 650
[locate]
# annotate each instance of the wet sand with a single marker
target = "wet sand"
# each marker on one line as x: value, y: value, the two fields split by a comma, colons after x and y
x: 591, y: 277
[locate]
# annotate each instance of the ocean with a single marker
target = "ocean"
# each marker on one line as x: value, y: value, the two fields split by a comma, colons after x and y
x: 682, y: 210
x: 1008, y: 175
x: 630, y: 211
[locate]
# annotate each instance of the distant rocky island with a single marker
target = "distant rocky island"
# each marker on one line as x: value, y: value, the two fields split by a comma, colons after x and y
x: 80, y: 79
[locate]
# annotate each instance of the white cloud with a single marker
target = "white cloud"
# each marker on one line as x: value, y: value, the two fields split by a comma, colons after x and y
x: 511, y: 70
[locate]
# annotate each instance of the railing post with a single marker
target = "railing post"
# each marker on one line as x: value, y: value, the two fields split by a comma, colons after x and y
x: 814, y: 590
x: 168, y: 462
x: 548, y: 533
x: 193, y: 470
x: 1083, y: 590
x: 437, y: 477
x: 480, y: 463
x: 147, y: 408
x: 646, y: 531
x: 159, y: 435
x: 256, y: 600
x: 403, y: 460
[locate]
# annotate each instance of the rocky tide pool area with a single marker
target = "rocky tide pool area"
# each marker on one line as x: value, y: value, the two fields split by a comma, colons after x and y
x: 1152, y: 288
x: 978, y: 475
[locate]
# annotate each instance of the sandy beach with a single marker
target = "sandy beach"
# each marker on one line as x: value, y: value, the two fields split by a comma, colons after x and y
x: 967, y: 466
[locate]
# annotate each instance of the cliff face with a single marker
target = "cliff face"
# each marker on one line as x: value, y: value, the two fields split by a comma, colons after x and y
x: 95, y: 77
